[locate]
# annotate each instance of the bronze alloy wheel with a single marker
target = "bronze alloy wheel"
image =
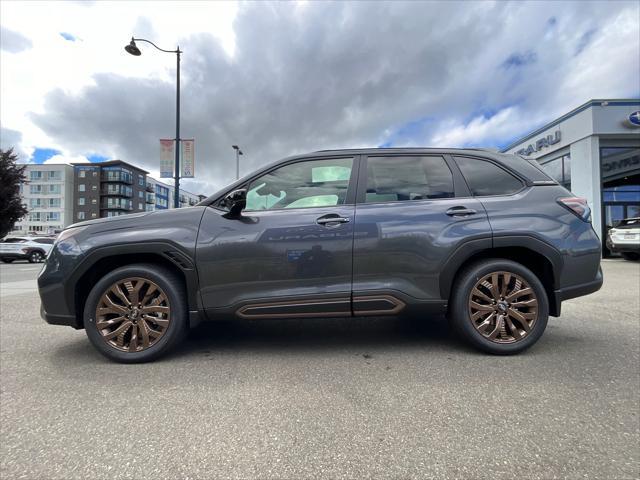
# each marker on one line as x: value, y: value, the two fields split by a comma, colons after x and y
x: 503, y: 307
x: 133, y: 314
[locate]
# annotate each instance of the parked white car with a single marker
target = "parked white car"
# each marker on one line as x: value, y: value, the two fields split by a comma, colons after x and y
x: 34, y: 249
x: 624, y: 238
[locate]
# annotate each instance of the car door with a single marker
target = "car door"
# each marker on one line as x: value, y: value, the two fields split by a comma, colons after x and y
x: 290, y: 251
x: 413, y: 213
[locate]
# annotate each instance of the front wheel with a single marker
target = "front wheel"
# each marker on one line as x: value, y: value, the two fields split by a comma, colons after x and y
x: 136, y: 313
x: 499, y: 306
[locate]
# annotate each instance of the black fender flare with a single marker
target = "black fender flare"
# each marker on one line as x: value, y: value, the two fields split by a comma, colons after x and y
x: 170, y: 252
x: 467, y: 250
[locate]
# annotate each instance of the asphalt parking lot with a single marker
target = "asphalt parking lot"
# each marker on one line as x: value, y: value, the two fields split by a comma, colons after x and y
x: 334, y: 398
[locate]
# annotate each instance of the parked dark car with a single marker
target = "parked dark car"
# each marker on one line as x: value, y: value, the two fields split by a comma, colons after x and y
x: 624, y: 238
x: 487, y: 238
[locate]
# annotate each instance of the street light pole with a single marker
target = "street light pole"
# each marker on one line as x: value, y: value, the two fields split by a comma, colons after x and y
x: 133, y: 49
x: 238, y: 153
x: 176, y: 171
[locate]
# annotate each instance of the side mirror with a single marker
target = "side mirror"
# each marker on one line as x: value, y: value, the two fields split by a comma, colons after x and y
x: 235, y: 202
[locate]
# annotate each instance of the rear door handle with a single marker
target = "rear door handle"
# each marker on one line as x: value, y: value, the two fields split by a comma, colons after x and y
x: 332, y: 218
x: 460, y: 211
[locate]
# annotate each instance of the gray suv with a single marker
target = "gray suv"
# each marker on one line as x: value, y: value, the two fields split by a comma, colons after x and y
x: 486, y: 238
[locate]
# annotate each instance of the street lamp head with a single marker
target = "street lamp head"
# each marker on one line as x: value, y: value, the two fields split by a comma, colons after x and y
x: 132, y: 48
x: 235, y: 147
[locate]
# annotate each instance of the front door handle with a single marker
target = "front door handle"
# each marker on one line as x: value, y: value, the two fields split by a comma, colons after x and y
x: 460, y: 211
x: 330, y: 219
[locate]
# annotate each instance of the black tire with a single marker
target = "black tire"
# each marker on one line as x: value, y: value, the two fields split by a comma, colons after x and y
x: 36, y: 256
x: 173, y: 288
x: 7, y: 260
x: 631, y: 256
x: 459, y: 310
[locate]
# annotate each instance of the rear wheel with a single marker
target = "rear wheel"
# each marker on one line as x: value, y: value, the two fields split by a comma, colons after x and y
x: 630, y: 256
x: 36, y: 256
x: 499, y: 306
x: 7, y: 260
x: 136, y: 313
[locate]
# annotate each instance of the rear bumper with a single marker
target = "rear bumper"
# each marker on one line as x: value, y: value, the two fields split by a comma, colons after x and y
x: 580, y: 290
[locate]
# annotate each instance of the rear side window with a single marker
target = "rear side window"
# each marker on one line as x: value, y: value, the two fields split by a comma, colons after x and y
x: 485, y: 178
x: 392, y: 179
x: 46, y: 241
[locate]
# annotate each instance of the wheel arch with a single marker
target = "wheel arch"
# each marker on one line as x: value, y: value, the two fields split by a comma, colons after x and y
x: 542, y: 259
x: 105, y: 260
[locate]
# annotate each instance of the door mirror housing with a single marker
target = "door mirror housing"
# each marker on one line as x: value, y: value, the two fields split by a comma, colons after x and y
x: 235, y: 202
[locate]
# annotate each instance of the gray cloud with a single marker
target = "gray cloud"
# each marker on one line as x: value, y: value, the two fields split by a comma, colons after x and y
x: 12, y: 139
x: 329, y: 75
x: 13, y: 42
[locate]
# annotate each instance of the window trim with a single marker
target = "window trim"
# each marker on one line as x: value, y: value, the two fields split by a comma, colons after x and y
x: 351, y: 185
x: 518, y: 177
x: 361, y: 194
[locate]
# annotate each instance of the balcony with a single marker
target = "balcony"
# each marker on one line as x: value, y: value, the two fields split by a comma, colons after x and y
x: 150, y: 188
x: 116, y: 204
x: 115, y: 176
x: 150, y: 198
x: 117, y: 190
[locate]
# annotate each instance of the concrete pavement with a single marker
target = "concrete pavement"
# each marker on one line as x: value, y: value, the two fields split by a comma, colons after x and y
x: 329, y: 398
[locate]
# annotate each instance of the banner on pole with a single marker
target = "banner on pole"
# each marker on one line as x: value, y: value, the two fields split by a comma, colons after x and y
x: 167, y: 157
x: 187, y: 169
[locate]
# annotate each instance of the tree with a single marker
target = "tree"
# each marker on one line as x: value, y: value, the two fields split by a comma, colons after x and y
x: 11, y: 176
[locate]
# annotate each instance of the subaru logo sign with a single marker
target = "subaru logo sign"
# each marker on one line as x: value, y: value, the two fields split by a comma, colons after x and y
x: 634, y: 119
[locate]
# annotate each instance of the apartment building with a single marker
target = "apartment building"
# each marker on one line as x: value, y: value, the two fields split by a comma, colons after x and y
x: 48, y: 196
x: 163, y: 196
x: 59, y: 195
x: 108, y: 189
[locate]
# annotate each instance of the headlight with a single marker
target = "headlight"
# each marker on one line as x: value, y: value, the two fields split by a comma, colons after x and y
x: 66, y: 243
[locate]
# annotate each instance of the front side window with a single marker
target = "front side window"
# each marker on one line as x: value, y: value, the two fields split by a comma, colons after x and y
x: 485, y: 178
x: 315, y: 183
x: 393, y: 179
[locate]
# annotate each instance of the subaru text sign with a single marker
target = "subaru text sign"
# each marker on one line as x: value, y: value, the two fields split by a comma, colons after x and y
x: 539, y: 144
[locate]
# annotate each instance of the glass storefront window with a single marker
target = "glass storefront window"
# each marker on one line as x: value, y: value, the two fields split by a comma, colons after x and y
x: 559, y: 169
x: 616, y: 162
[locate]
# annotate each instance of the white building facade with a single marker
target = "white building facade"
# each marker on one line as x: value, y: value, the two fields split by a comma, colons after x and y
x: 48, y: 196
x: 54, y: 191
x: 594, y: 151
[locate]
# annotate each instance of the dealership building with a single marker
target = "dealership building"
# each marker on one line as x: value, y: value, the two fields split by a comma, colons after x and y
x: 594, y: 151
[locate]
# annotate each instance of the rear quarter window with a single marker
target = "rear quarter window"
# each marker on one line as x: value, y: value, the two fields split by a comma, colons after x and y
x: 486, y: 179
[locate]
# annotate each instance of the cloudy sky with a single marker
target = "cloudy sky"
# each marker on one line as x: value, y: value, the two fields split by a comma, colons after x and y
x: 286, y: 78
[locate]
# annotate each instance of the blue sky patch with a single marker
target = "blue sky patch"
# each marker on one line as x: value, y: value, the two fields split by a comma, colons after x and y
x: 412, y: 130
x: 42, y: 154
x: 95, y: 158
x: 68, y: 36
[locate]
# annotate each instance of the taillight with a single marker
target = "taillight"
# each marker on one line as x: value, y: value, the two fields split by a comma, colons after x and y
x: 578, y: 206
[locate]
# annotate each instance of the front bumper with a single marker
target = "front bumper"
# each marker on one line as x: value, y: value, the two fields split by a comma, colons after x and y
x: 51, y: 319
